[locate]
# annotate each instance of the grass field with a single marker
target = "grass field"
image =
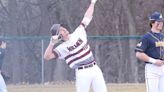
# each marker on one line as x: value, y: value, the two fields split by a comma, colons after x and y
x: 71, y: 88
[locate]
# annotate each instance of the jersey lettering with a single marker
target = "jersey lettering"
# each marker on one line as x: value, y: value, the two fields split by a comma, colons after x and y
x: 159, y: 44
x: 77, y: 44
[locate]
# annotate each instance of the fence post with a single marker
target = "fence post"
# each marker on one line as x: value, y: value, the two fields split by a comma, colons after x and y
x: 42, y: 43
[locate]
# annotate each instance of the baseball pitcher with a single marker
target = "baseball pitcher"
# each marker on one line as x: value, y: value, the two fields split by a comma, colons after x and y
x: 76, y: 52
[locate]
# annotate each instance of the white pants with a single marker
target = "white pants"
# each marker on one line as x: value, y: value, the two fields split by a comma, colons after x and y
x: 90, y: 77
x: 154, y: 76
x: 3, y: 87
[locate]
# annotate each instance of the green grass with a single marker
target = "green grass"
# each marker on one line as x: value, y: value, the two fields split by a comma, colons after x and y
x: 71, y: 88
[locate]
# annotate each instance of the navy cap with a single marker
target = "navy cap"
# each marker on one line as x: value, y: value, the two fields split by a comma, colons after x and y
x: 55, y: 29
x: 156, y: 16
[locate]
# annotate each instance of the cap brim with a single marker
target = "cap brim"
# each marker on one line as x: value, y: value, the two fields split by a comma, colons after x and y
x: 162, y: 19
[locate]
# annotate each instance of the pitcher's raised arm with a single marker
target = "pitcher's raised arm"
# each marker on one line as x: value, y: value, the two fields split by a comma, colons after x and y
x: 89, y: 14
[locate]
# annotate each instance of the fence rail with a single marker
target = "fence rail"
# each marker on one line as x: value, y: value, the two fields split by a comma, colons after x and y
x: 90, y: 37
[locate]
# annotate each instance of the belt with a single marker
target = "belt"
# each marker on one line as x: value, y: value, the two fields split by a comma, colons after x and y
x: 87, y: 66
x: 161, y: 59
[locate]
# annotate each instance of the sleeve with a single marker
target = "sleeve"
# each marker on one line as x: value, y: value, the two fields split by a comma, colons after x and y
x: 57, y: 53
x: 85, y: 22
x: 80, y: 31
x: 142, y: 45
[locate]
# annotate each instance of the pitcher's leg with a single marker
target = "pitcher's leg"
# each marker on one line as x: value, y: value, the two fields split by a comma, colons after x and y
x: 98, y: 82
x: 3, y: 87
x: 83, y: 81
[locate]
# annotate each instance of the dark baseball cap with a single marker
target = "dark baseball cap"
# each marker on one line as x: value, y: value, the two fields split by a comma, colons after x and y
x: 55, y: 29
x: 156, y: 16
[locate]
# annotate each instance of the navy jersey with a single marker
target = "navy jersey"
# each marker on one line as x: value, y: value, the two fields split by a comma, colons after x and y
x: 152, y: 44
x: 2, y: 54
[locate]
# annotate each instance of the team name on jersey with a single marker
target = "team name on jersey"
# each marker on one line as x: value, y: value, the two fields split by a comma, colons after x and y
x: 77, y: 44
x: 159, y: 44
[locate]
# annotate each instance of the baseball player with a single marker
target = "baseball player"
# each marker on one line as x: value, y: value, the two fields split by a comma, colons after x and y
x: 151, y: 50
x: 76, y: 52
x: 3, y: 87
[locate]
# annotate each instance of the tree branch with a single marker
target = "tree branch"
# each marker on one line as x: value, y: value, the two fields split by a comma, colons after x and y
x: 4, y: 8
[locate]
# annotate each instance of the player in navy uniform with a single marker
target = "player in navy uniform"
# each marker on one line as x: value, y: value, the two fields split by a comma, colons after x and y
x: 150, y: 49
x: 2, y: 54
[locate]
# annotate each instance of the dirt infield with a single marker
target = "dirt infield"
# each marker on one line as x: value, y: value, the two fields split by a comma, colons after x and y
x: 71, y: 88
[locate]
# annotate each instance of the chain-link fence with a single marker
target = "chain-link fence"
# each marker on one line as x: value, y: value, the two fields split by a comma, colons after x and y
x: 115, y: 55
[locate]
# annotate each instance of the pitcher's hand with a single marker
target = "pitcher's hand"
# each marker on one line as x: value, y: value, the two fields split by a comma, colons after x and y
x: 93, y: 1
x: 54, y: 39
